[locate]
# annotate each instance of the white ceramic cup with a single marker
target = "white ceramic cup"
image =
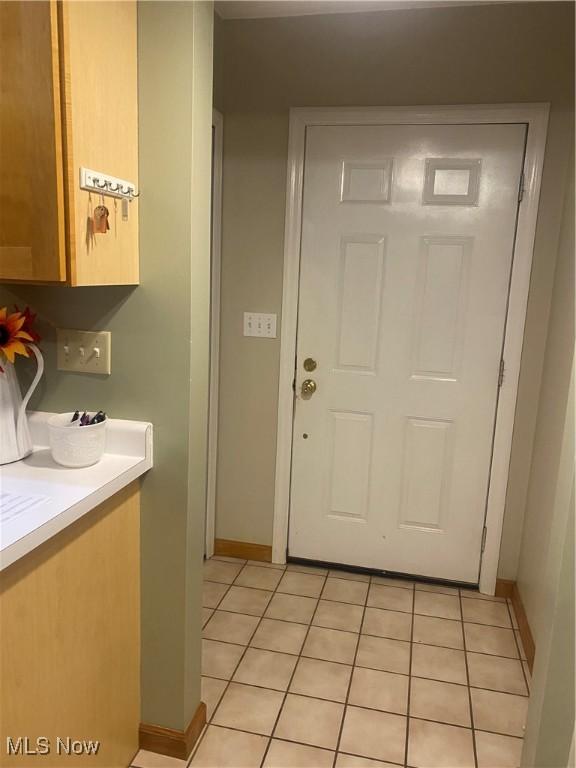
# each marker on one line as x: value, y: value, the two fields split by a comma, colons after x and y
x: 73, y: 445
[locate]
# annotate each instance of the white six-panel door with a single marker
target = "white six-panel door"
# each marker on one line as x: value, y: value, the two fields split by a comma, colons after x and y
x: 407, y: 244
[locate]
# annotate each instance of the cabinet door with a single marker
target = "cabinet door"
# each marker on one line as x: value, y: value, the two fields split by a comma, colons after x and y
x: 32, y: 235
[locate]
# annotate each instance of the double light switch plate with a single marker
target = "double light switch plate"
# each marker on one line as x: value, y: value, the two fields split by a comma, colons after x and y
x: 84, y: 351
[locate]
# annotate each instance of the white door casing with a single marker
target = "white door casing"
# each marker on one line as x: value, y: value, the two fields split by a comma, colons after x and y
x: 407, y: 243
x: 215, y: 270
x: 452, y: 351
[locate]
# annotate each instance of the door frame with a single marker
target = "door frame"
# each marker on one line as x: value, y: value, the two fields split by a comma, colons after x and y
x: 215, y: 273
x: 536, y: 118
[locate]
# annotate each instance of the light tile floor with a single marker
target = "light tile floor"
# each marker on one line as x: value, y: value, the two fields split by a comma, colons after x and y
x: 309, y: 668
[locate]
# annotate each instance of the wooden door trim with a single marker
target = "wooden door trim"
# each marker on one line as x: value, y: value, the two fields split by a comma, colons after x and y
x: 535, y: 116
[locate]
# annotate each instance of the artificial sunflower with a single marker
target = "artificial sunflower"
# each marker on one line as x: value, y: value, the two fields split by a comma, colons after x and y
x: 12, y: 336
x: 29, y: 320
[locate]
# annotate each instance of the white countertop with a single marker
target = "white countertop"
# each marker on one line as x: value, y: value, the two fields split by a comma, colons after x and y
x: 56, y: 496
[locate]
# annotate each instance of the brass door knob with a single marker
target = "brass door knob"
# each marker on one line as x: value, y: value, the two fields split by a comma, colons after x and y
x: 308, y: 388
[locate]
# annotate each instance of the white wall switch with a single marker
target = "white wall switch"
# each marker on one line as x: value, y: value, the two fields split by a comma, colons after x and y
x: 260, y: 324
x: 83, y: 351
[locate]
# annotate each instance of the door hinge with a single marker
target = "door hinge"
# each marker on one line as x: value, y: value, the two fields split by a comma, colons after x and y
x: 521, y: 188
x: 484, y: 532
x: 501, y: 373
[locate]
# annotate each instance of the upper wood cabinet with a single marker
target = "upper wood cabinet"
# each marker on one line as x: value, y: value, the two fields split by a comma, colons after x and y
x: 68, y: 99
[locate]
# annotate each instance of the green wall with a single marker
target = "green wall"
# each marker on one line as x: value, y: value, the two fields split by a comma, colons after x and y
x: 159, y: 344
x: 546, y: 569
x: 557, y: 720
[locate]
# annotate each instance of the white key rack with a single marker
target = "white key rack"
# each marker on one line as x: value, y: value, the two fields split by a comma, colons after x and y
x: 104, y: 184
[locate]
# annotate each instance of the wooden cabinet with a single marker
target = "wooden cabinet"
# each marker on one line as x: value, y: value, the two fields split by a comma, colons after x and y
x: 68, y: 98
x: 70, y: 640
x: 32, y: 234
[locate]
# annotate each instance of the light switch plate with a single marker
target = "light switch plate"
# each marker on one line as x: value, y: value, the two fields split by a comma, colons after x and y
x: 260, y: 324
x: 84, y: 351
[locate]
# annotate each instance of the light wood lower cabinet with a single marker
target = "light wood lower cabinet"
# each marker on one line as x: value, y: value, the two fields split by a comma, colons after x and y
x: 70, y: 641
x: 68, y: 99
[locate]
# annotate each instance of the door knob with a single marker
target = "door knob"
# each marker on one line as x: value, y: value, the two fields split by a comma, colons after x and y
x: 308, y: 388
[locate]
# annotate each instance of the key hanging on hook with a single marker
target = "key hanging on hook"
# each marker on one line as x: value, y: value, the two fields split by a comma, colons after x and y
x: 124, y: 209
x: 101, y: 213
x: 90, y: 242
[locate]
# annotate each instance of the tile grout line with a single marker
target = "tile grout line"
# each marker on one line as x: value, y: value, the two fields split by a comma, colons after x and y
x: 352, y: 670
x: 301, y: 743
x: 241, y: 657
x: 468, y: 683
x: 366, y: 634
x: 204, y: 624
x: 345, y: 602
x: 209, y: 720
x: 384, y: 610
x: 407, y: 744
x: 458, y: 592
x: 385, y: 671
x: 298, y: 658
x: 383, y: 637
x: 358, y: 706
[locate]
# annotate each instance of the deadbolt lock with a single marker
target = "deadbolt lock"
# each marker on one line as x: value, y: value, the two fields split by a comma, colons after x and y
x: 310, y: 364
x: 308, y: 388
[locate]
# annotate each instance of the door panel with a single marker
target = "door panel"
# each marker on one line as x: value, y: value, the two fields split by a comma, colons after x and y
x: 349, y: 483
x: 442, y: 299
x: 360, y: 284
x: 407, y: 243
x: 426, y: 465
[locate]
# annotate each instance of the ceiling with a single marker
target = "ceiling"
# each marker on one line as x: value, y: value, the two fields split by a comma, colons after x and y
x: 260, y: 9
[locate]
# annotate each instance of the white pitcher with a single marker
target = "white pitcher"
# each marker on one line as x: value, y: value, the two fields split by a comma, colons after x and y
x: 15, y: 440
